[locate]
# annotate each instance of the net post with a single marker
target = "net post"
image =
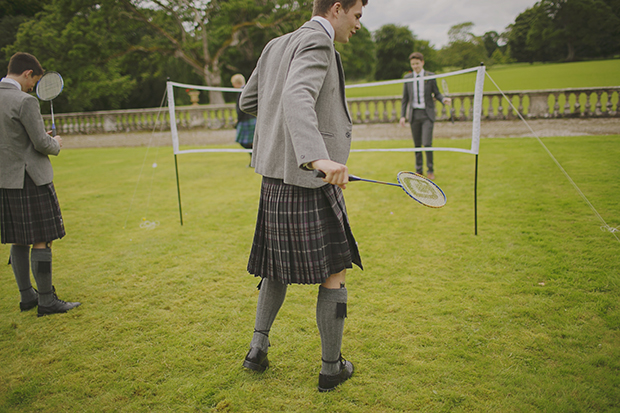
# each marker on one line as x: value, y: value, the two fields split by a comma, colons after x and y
x: 176, y: 169
x: 476, y: 198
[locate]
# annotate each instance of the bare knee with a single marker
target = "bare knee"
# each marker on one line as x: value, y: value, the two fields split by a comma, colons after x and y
x: 335, y: 281
x: 42, y: 245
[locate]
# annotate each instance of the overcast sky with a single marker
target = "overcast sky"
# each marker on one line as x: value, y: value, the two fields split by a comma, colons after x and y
x: 431, y: 20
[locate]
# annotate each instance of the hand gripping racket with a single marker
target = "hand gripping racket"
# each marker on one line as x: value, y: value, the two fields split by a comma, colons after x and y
x: 418, y: 187
x: 49, y: 86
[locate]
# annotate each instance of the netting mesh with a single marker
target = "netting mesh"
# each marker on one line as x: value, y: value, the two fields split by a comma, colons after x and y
x: 422, y: 190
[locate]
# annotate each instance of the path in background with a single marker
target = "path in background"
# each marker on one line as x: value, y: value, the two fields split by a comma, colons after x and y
x: 458, y: 130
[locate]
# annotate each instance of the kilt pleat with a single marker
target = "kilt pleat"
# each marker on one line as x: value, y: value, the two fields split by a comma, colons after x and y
x: 30, y: 215
x: 302, y: 235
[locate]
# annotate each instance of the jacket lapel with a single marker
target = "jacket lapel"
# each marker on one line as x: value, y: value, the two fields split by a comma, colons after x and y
x: 341, y: 78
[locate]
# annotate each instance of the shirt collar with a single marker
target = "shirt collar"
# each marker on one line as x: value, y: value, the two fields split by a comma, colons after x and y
x: 418, y: 74
x: 12, y: 82
x: 326, y: 25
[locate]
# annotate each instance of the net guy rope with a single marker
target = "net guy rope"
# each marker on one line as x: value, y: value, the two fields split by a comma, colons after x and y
x: 604, y: 225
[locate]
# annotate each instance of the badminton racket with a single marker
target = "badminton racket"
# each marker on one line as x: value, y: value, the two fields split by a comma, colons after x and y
x: 446, y: 92
x: 49, y: 86
x: 418, y: 187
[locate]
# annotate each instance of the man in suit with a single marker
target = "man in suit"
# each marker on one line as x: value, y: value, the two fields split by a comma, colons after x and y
x: 418, y: 107
x: 29, y: 209
x: 302, y: 231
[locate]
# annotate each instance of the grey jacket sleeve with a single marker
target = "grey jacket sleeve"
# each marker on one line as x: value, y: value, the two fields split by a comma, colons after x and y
x: 33, y: 123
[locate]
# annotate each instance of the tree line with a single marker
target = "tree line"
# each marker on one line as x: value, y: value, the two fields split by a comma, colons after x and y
x: 118, y: 54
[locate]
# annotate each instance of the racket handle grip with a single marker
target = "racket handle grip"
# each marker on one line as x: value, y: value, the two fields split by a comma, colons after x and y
x: 53, y: 130
x: 321, y: 174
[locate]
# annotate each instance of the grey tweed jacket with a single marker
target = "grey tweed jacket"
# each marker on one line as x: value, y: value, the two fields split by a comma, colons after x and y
x: 24, y: 144
x: 297, y: 93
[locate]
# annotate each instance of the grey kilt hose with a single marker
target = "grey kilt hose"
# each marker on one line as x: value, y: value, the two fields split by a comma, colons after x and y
x: 30, y: 215
x: 302, y: 235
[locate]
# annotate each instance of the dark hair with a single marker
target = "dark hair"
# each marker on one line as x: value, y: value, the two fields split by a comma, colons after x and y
x: 321, y: 7
x: 416, y: 55
x: 21, y: 62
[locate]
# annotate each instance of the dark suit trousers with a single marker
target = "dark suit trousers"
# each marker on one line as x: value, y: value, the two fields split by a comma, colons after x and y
x: 422, y: 131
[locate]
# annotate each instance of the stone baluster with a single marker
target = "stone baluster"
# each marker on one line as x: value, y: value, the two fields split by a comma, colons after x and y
x: 500, y: 108
x: 556, y: 105
x: 588, y: 107
x: 598, y: 106
x: 610, y: 105
x: 384, y: 118
x: 567, y: 105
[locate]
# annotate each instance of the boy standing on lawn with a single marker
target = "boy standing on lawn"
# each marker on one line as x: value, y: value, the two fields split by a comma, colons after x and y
x: 29, y: 209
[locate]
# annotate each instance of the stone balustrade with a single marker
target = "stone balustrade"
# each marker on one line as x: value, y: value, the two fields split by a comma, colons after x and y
x: 537, y: 104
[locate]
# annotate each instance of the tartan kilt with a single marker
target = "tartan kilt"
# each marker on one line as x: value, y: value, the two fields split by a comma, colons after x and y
x: 302, y: 235
x: 30, y: 215
x: 245, y: 131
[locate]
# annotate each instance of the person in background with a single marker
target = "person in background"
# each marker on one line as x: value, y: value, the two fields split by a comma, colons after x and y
x: 418, y: 107
x: 29, y: 210
x: 246, y: 123
x: 302, y: 231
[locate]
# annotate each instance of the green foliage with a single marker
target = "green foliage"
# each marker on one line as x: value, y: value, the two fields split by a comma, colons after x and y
x: 12, y: 14
x: 566, y: 29
x: 432, y: 61
x: 490, y: 39
x: 359, y: 55
x: 464, y: 49
x: 114, y: 56
x: 394, y: 44
x: 523, y: 317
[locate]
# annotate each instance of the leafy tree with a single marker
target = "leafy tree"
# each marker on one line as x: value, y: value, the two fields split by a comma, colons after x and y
x: 12, y: 14
x: 464, y: 48
x: 516, y: 34
x: 490, y: 41
x: 78, y: 38
x: 569, y: 29
x: 394, y: 45
x: 200, y: 32
x: 358, y: 56
x: 432, y: 62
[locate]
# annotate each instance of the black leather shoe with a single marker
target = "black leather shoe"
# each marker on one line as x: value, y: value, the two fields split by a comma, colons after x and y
x: 256, y: 360
x: 57, y: 307
x: 330, y: 382
x: 29, y: 305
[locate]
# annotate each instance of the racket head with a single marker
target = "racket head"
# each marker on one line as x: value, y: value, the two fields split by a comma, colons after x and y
x: 444, y: 86
x: 422, y: 189
x: 49, y: 86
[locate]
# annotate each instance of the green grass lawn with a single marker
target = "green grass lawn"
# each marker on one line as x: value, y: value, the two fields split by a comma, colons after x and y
x: 523, y: 317
x: 524, y: 76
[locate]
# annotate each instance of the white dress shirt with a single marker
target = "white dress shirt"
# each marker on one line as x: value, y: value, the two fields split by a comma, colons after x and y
x: 418, y: 87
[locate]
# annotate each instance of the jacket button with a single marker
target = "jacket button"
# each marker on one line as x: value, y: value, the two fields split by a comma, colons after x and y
x: 348, y: 135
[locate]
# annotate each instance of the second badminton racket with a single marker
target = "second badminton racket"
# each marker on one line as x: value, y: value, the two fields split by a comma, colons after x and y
x: 49, y: 86
x: 418, y: 187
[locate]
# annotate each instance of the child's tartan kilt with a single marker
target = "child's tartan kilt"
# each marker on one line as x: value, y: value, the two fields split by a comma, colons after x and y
x: 30, y: 215
x: 302, y: 235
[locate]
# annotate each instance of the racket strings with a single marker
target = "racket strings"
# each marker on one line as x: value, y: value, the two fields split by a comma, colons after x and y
x: 421, y: 189
x: 49, y: 86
